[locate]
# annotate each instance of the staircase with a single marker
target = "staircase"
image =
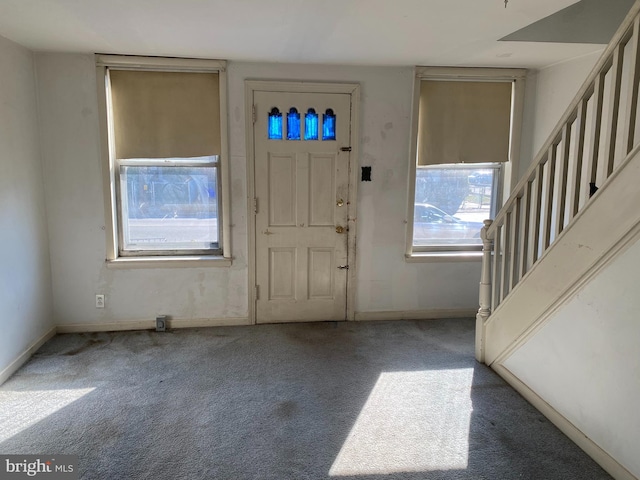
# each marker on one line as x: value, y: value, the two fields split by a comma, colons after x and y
x: 573, y: 213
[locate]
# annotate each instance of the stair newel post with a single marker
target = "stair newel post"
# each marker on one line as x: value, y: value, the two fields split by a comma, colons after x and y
x: 485, y: 290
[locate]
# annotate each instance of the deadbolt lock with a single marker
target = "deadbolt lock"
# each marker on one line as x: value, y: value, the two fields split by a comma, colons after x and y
x: 339, y: 229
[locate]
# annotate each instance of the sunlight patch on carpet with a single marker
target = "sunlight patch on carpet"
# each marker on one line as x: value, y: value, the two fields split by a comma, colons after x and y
x: 411, y: 422
x: 20, y: 410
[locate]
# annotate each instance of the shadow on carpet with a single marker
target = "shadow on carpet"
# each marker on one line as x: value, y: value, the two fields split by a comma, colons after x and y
x: 346, y: 401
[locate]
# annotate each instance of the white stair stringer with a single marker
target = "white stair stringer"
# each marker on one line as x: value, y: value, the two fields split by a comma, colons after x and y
x: 602, y: 229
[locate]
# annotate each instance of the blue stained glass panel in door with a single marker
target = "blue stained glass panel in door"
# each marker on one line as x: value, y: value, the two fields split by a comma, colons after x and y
x: 328, y: 125
x: 311, y: 125
x: 275, y: 124
x: 293, y: 124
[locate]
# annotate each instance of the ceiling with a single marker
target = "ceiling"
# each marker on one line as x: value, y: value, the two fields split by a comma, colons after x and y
x: 362, y: 32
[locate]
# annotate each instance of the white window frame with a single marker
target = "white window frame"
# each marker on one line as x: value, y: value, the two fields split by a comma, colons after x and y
x: 508, y: 171
x: 110, y: 167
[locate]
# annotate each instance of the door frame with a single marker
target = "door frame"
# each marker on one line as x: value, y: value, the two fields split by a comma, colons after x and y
x: 352, y: 89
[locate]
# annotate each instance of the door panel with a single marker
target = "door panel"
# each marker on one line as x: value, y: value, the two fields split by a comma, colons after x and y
x: 282, y: 190
x: 282, y: 271
x: 321, y: 274
x: 302, y: 196
x: 321, y: 190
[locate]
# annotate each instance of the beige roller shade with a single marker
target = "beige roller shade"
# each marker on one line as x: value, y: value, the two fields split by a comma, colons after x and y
x: 165, y: 114
x: 464, y: 122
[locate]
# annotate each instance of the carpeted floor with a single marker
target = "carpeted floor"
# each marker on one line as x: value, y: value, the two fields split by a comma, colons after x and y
x: 348, y: 401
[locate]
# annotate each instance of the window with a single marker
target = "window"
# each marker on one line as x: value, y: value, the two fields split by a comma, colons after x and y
x: 463, y: 153
x: 166, y: 150
x: 294, y: 124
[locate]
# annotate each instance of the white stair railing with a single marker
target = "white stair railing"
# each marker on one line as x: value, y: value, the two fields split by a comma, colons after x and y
x: 593, y: 139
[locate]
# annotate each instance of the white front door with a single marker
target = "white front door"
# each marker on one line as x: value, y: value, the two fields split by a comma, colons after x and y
x: 302, y: 191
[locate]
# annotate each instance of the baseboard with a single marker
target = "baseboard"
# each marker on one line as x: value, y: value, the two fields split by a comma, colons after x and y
x: 207, y: 322
x: 602, y: 458
x: 417, y: 314
x: 26, y: 355
x: 150, y: 324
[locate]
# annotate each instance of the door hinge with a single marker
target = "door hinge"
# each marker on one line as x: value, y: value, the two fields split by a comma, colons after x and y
x: 255, y: 205
x: 345, y: 149
x: 256, y: 292
x: 253, y: 112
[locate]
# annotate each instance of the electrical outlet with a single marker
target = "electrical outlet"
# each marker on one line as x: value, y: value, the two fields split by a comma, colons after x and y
x: 99, y: 301
x: 161, y: 323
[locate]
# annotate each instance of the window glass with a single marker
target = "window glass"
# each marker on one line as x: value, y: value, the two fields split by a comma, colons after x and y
x: 275, y: 124
x: 311, y: 125
x: 451, y: 203
x: 169, y: 207
x: 293, y: 124
x: 328, y: 125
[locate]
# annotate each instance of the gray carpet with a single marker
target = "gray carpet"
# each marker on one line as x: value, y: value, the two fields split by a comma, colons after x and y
x: 347, y: 401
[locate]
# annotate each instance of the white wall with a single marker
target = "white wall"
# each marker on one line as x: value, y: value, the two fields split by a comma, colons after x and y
x: 25, y: 280
x: 76, y: 216
x: 70, y: 140
x: 584, y: 362
x: 549, y: 91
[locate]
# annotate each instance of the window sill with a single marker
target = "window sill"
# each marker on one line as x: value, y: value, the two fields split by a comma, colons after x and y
x: 461, y: 256
x: 169, y: 262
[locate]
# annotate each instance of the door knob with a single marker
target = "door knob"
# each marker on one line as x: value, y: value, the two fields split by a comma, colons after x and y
x: 343, y: 267
x: 340, y: 203
x: 339, y: 229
